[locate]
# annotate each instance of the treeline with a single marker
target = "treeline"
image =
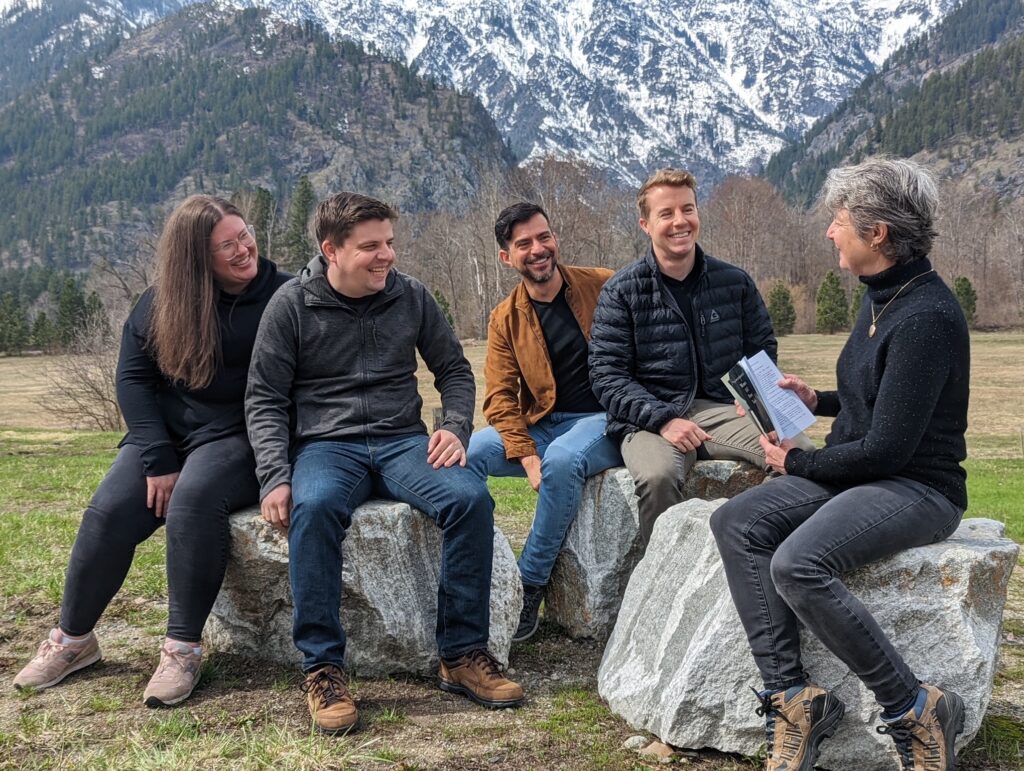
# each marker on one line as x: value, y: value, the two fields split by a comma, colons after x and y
x: 982, y: 99
x: 46, y: 310
x: 912, y: 104
x: 221, y: 101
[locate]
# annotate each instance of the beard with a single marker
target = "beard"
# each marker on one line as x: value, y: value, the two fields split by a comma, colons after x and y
x: 545, y: 274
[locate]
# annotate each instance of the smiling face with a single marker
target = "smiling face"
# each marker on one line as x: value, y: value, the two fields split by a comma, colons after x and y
x: 235, y: 259
x: 859, y: 256
x: 358, y: 267
x: 674, y: 226
x: 532, y: 251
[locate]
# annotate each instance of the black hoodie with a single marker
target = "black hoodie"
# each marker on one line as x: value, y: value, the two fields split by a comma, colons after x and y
x: 167, y: 420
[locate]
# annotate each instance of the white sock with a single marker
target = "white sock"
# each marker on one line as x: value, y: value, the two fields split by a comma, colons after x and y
x: 197, y: 649
x: 66, y: 639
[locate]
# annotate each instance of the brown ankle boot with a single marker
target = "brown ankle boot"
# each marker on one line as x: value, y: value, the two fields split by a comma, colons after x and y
x: 330, y: 703
x: 796, y: 721
x: 478, y: 676
x: 925, y: 741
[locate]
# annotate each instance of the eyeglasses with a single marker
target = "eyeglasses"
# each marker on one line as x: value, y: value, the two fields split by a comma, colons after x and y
x: 230, y: 248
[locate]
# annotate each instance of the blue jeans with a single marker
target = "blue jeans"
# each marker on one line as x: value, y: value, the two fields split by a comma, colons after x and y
x: 572, y: 446
x: 329, y: 480
x: 784, y: 545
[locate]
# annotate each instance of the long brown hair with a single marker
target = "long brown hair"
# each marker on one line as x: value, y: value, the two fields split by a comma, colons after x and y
x: 184, y: 330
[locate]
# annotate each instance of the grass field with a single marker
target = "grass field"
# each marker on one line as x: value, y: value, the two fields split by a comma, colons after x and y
x: 248, y: 714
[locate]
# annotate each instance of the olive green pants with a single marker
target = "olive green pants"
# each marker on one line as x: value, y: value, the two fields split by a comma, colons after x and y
x: 659, y: 469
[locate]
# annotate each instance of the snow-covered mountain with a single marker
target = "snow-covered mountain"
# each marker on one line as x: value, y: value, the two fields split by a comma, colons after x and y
x: 628, y: 85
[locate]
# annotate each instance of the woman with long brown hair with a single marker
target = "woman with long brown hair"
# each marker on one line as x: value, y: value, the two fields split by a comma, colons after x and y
x: 186, y: 461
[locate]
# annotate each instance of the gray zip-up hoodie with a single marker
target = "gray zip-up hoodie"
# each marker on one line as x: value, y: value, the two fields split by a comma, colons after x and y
x: 324, y: 370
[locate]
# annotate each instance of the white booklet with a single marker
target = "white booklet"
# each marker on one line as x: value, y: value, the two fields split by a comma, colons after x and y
x: 754, y: 382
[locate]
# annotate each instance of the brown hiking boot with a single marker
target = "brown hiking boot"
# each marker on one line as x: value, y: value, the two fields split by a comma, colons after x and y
x: 925, y: 734
x: 796, y: 722
x: 330, y: 703
x: 478, y: 676
x: 54, y: 660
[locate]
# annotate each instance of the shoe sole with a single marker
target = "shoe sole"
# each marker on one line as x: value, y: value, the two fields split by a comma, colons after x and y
x: 825, y: 729
x: 957, y: 716
x: 529, y: 634
x: 154, y: 702
x: 88, y: 662
x: 462, y: 690
x: 335, y: 731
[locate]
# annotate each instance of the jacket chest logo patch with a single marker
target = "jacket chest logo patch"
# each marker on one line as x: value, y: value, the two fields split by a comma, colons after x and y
x: 714, y: 316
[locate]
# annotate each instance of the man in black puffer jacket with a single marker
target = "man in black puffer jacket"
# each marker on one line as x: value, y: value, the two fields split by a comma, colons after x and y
x: 666, y: 328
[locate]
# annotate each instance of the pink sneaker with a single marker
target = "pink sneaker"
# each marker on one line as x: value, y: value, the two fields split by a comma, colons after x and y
x: 54, y: 660
x: 175, y: 677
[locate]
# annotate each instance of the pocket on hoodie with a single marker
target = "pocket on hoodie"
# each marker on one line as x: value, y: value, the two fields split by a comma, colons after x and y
x: 391, y: 349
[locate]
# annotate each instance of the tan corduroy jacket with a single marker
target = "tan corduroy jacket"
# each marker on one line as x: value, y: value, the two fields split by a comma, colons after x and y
x: 520, y: 385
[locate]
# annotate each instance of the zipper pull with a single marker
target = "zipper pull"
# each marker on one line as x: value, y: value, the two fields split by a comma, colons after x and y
x: 703, y: 323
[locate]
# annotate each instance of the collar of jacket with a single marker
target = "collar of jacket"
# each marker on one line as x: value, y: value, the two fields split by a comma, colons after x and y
x: 700, y: 261
x: 317, y: 290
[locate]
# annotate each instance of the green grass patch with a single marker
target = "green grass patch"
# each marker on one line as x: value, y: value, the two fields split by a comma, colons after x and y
x: 995, y: 489
x: 577, y: 711
x: 1000, y: 739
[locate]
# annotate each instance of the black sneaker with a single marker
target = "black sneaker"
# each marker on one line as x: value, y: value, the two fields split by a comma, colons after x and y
x: 925, y: 734
x: 796, y: 722
x: 529, y: 618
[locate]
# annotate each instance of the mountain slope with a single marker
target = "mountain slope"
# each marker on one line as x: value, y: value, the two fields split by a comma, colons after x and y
x: 956, y: 93
x: 214, y: 100
x: 628, y: 85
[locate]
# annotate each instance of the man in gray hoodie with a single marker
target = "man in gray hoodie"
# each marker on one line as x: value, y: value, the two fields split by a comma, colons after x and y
x: 333, y: 414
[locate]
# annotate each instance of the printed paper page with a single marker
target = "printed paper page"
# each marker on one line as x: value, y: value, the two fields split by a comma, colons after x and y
x: 789, y: 415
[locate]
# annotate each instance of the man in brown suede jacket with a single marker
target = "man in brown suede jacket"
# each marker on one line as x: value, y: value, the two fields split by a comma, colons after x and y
x: 545, y: 422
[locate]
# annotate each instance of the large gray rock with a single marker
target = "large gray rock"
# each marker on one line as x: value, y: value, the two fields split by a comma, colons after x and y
x: 678, y: 665
x: 603, y: 544
x: 389, y: 604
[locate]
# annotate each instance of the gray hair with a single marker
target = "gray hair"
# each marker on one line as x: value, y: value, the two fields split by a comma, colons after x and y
x: 897, y: 193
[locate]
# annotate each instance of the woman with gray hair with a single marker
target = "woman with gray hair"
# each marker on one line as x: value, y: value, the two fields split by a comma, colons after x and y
x: 888, y: 478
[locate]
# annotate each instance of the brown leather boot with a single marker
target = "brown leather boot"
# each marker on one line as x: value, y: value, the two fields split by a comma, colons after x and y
x: 478, y: 676
x: 330, y: 703
x: 925, y: 741
x: 796, y: 721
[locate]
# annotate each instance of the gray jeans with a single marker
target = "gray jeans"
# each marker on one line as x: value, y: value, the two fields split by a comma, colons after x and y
x: 659, y: 469
x: 784, y: 545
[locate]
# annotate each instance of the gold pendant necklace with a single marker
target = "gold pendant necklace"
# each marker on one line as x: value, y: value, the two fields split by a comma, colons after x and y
x: 876, y: 316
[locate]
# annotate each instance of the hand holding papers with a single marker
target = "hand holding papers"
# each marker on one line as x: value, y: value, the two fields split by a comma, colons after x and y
x: 754, y: 384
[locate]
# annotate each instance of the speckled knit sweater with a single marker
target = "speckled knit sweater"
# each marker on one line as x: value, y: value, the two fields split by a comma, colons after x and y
x: 901, y: 407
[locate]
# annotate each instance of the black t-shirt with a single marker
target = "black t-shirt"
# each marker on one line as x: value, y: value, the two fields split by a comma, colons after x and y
x: 682, y: 292
x: 567, y: 348
x: 358, y: 304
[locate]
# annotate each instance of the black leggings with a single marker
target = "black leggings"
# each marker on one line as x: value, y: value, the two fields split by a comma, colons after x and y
x: 216, y: 479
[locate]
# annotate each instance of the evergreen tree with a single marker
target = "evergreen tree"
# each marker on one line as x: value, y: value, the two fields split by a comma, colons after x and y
x: 857, y: 301
x: 13, y: 325
x: 781, y: 310
x: 832, y: 313
x: 296, y: 237
x: 966, y: 296
x: 445, y: 306
x: 70, y: 312
x: 43, y: 333
x: 95, y: 315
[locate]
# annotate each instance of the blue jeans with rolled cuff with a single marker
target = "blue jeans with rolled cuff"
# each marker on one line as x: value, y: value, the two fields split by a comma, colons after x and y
x: 329, y: 480
x: 784, y: 546
x: 572, y: 447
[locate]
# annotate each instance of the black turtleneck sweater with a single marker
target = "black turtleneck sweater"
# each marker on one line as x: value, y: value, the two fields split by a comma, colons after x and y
x: 901, y: 406
x: 166, y: 420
